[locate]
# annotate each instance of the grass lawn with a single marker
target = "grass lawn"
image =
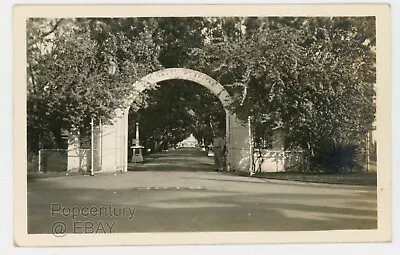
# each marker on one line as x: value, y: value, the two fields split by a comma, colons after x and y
x: 35, y: 175
x: 367, y: 179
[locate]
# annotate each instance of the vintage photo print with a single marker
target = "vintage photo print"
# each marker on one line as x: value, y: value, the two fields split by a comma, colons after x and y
x: 201, y: 124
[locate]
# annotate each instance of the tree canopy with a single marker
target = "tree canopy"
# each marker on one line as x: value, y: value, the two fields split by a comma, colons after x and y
x: 310, y: 77
x: 313, y: 78
x: 79, y: 69
x: 174, y: 110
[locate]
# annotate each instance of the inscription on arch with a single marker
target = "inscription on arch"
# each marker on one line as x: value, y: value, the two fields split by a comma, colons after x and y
x: 185, y: 74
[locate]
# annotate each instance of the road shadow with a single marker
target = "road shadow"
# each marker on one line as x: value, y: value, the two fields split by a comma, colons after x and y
x: 191, y: 160
x: 157, y: 212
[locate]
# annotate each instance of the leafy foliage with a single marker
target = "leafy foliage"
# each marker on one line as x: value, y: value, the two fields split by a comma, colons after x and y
x: 310, y: 77
x: 313, y: 78
x: 336, y: 158
x: 69, y: 80
x: 170, y: 113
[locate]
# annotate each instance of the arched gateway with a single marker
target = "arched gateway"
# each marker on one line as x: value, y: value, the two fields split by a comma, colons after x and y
x: 112, y: 140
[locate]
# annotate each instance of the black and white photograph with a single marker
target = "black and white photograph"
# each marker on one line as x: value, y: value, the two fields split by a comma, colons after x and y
x: 181, y: 121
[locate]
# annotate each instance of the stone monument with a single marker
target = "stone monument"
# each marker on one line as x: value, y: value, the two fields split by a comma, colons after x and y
x: 136, y: 147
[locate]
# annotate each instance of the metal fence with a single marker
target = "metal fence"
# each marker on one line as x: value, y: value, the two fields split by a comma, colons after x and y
x: 60, y: 160
x: 267, y: 160
x: 106, y: 146
x: 52, y: 160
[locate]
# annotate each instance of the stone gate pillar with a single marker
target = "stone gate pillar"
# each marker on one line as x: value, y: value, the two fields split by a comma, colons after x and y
x: 238, y: 144
x: 74, y: 154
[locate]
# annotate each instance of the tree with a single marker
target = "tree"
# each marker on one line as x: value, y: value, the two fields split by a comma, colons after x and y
x: 69, y: 80
x: 312, y: 78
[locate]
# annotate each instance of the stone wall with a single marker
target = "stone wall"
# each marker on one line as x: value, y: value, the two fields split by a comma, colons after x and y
x: 276, y: 159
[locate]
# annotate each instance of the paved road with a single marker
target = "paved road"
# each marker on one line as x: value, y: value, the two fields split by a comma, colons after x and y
x: 178, y: 191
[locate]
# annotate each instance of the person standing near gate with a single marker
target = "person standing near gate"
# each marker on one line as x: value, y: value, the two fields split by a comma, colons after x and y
x: 219, y: 151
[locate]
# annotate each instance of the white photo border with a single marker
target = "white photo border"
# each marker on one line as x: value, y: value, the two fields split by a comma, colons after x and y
x: 384, y: 188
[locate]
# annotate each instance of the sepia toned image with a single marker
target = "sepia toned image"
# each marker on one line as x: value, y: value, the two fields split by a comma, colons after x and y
x: 227, y: 127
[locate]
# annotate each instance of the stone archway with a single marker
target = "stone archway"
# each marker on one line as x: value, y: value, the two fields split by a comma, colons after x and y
x: 112, y: 140
x: 236, y: 134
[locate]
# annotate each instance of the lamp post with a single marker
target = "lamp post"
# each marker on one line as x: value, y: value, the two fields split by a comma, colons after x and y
x: 92, y: 148
x: 251, y: 148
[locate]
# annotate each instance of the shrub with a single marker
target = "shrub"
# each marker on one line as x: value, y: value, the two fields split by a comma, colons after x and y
x: 336, y: 158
